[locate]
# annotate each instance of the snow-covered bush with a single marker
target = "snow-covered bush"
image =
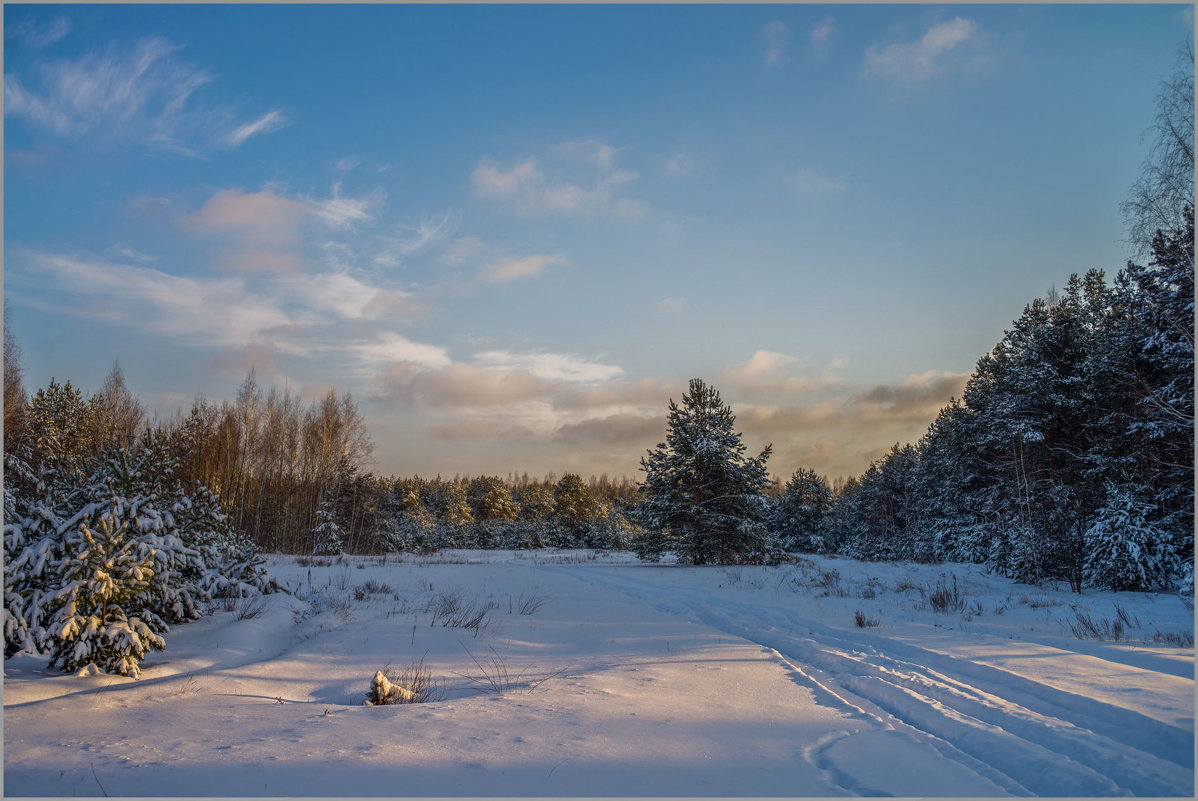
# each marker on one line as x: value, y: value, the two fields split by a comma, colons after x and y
x: 412, y: 685
x: 1125, y: 550
x: 102, y: 556
x: 384, y: 691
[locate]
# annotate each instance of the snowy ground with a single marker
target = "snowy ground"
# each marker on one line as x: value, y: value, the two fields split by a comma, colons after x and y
x: 630, y: 679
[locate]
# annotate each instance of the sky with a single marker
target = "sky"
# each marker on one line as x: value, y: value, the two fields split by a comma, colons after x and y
x: 513, y: 233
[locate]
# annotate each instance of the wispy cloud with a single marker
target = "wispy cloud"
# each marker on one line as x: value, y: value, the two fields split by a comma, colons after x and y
x: 549, y: 366
x: 266, y: 227
x: 776, y: 35
x: 34, y: 34
x: 822, y: 33
x: 672, y: 305
x: 267, y: 123
x: 345, y: 295
x: 591, y: 150
x: 208, y: 313
x: 143, y: 94
x: 524, y: 188
x: 914, y: 62
x: 769, y: 373
x: 810, y: 182
x: 516, y: 269
x: 681, y: 163
x: 344, y: 212
x: 408, y: 239
x: 389, y: 348
x: 461, y: 250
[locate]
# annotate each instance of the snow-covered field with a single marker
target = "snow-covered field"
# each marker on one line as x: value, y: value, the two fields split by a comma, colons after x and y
x: 596, y: 675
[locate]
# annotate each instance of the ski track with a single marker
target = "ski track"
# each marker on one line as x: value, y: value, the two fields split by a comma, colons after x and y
x: 1026, y: 737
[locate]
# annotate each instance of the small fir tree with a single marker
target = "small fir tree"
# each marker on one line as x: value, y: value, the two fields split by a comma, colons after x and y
x: 106, y: 573
x: 327, y: 536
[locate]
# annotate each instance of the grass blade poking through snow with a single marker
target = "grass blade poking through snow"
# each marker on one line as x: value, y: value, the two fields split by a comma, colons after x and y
x: 495, y: 677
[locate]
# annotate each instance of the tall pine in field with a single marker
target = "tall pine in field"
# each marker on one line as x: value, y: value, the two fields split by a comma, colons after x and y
x: 703, y: 498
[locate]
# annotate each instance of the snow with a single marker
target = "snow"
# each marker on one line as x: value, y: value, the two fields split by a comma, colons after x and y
x: 627, y: 679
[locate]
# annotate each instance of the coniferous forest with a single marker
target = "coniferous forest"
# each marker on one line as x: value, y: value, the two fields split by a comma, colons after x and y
x: 1069, y: 458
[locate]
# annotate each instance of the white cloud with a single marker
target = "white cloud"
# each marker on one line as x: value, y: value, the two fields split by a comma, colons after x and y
x: 264, y: 225
x: 127, y: 252
x: 823, y: 32
x: 591, y: 150
x: 776, y: 34
x: 267, y: 123
x: 681, y: 163
x: 548, y: 366
x: 516, y: 269
x: 765, y: 362
x: 462, y: 250
x: 525, y: 189
x: 389, y: 348
x: 32, y: 34
x: 344, y: 295
x: 414, y: 238
x: 220, y: 313
x: 917, y: 61
x: 344, y: 212
x: 143, y: 94
x: 672, y: 305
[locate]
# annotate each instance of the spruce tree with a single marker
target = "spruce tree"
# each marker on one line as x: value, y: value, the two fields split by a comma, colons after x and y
x: 1125, y: 549
x: 704, y: 499
x: 798, y: 515
x: 106, y: 572
x: 327, y: 536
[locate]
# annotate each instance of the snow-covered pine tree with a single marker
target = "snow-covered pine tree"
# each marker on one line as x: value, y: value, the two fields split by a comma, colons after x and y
x: 797, y: 516
x: 234, y: 567
x: 327, y: 536
x: 105, y: 574
x: 143, y: 482
x: 33, y: 549
x: 704, y: 496
x: 455, y: 517
x: 1125, y: 549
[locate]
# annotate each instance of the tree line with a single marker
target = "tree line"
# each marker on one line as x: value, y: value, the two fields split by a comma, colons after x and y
x: 1069, y: 456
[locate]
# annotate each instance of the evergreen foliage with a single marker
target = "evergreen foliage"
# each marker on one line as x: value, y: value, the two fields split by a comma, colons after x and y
x: 703, y: 498
x: 1124, y: 550
x: 103, y: 554
x: 327, y: 536
x: 105, y: 572
x: 797, y: 519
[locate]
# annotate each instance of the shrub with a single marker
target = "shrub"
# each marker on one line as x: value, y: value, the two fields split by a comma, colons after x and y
x: 945, y: 598
x: 412, y: 685
x: 862, y: 621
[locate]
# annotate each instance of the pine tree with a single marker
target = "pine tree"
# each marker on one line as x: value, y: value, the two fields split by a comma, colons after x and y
x: 703, y: 496
x: 105, y: 574
x: 798, y: 515
x: 1125, y: 550
x: 327, y: 536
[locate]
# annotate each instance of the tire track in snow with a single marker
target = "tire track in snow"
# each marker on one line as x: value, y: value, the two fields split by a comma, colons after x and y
x: 1043, y: 740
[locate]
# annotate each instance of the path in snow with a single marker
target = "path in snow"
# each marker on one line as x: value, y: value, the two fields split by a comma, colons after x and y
x: 1027, y: 734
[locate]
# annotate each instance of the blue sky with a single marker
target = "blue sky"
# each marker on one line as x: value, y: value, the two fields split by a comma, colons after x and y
x: 514, y: 232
